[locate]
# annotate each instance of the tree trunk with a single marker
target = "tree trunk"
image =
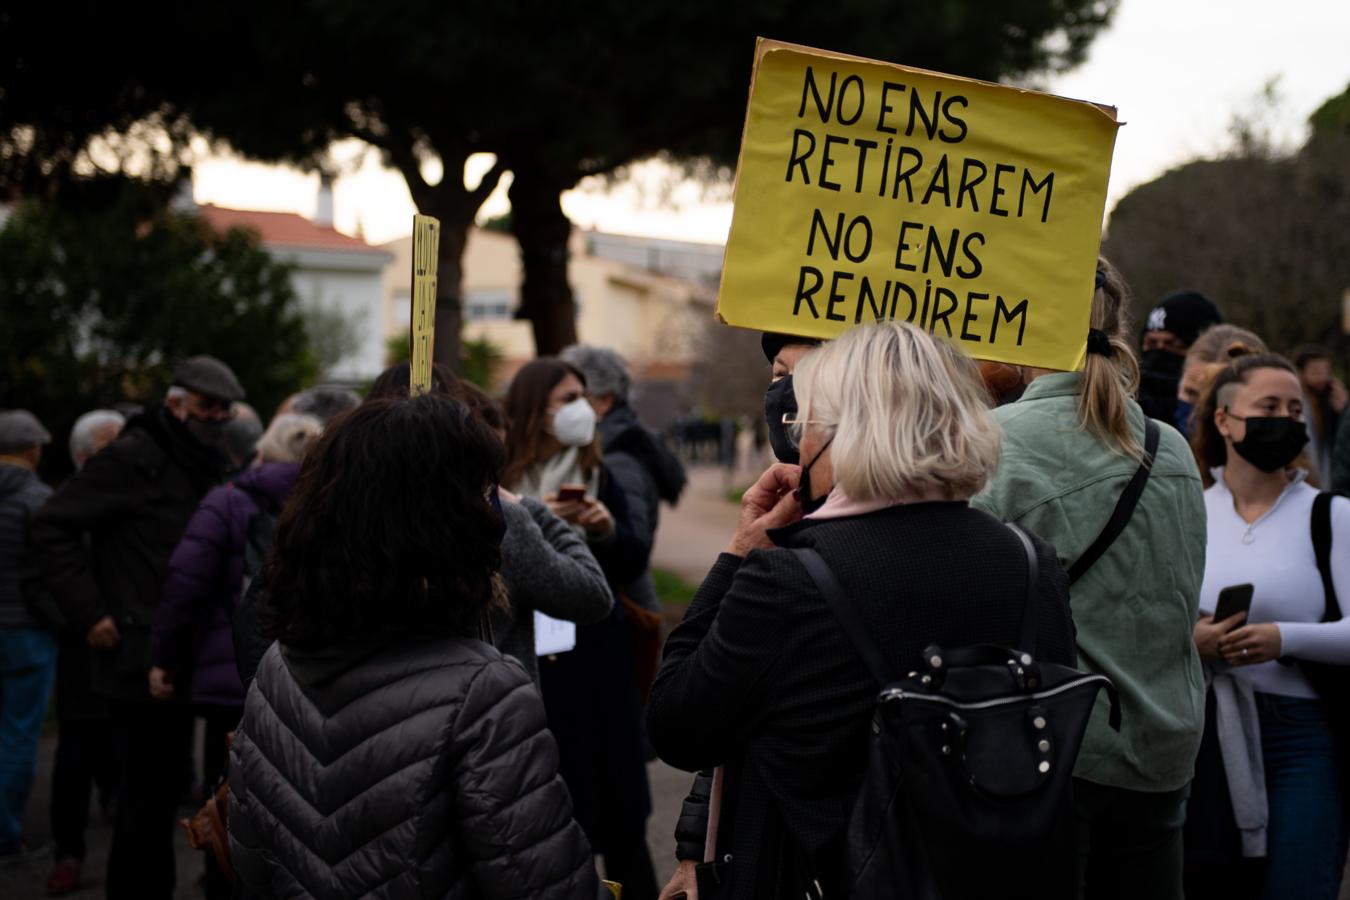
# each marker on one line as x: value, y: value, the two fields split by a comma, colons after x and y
x: 449, y: 283
x: 543, y: 230
x: 455, y: 205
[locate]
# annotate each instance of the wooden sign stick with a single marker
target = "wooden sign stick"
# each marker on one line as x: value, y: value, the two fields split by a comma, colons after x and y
x: 422, y: 335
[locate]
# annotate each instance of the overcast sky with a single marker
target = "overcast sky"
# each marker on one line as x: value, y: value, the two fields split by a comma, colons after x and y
x: 1177, y: 71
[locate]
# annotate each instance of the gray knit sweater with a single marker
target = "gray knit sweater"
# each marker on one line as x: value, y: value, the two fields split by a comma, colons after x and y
x: 546, y: 567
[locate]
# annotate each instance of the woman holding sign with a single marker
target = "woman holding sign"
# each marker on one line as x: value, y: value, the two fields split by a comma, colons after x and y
x: 1119, y: 497
x: 760, y: 678
x: 591, y: 692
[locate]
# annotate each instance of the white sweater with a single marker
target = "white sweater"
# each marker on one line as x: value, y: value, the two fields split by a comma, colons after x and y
x: 1275, y: 555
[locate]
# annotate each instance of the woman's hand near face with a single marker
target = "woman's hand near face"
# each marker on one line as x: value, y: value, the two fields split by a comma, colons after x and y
x: 1251, y: 644
x: 1207, y: 633
x: 770, y: 502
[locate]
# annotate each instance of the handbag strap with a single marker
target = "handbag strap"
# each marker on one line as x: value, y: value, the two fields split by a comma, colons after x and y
x: 1031, y: 605
x: 850, y: 619
x: 1129, y: 498
x: 1321, y: 539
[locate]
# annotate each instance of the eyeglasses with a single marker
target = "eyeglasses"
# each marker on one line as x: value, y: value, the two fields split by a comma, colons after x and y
x: 792, y: 419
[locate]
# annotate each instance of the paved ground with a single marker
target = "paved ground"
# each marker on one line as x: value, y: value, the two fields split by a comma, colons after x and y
x: 689, y: 540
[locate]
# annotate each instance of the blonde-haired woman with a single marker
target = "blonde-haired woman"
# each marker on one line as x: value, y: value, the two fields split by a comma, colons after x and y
x: 760, y: 679
x: 1212, y: 350
x: 1072, y: 445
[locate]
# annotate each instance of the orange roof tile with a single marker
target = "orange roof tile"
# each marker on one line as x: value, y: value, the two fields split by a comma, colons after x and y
x: 283, y: 229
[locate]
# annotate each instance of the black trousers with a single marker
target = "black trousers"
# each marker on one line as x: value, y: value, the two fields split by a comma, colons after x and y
x: 1129, y: 842
x: 152, y: 739
x: 85, y: 756
x: 220, y: 721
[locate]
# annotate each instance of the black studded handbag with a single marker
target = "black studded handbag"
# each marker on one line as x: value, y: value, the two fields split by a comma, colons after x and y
x: 967, y: 787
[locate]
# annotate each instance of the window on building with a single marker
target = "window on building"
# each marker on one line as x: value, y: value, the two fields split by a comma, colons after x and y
x: 489, y: 304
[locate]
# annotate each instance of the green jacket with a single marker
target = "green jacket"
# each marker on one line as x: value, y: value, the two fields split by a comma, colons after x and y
x: 1134, y: 610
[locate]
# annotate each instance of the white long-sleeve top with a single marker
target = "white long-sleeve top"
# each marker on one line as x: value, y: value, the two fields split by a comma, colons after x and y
x: 1275, y: 555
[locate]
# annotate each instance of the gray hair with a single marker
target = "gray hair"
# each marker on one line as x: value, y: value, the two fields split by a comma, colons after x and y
x: 288, y: 437
x: 241, y: 433
x: 325, y: 402
x: 605, y: 370
x: 86, y: 429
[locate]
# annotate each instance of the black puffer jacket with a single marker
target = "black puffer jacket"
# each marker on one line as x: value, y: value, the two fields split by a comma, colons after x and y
x: 412, y: 768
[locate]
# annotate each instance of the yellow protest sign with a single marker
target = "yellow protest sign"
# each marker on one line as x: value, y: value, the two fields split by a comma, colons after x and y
x: 426, y: 245
x: 871, y: 191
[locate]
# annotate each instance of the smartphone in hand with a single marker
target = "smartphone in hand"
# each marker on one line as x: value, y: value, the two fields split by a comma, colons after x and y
x: 571, y: 492
x: 1233, y: 600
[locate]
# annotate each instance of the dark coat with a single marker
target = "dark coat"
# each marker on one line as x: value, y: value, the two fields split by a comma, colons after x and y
x: 760, y: 678
x: 416, y: 768
x: 20, y: 494
x: 132, y: 501
x: 647, y: 473
x: 192, y: 635
x: 591, y: 694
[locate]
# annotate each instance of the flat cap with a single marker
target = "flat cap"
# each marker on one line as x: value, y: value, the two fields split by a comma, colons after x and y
x: 208, y: 375
x: 20, y: 429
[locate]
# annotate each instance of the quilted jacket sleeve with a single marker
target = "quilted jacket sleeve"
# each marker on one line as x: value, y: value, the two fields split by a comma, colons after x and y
x: 513, y: 808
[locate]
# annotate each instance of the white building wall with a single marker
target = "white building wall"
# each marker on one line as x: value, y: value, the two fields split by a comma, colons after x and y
x: 351, y: 286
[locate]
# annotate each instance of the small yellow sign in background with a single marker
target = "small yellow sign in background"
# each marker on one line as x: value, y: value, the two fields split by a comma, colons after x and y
x: 871, y: 191
x: 426, y: 248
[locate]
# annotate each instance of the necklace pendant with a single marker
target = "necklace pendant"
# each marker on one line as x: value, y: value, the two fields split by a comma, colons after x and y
x: 1248, y: 537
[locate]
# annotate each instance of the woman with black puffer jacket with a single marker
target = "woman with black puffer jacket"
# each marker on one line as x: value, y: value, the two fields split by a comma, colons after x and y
x: 385, y: 751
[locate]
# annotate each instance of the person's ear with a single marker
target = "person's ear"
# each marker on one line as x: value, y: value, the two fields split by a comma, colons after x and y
x: 1222, y: 422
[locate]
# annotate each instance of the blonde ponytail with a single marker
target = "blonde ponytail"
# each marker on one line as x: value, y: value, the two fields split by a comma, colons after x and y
x: 1110, y: 379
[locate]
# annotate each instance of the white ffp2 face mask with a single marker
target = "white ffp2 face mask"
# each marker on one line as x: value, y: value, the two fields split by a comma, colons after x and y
x: 574, y: 424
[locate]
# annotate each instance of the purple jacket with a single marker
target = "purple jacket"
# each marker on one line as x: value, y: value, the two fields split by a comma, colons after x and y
x: 192, y: 635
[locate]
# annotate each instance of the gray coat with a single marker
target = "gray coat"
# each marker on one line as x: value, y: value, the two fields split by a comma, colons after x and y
x: 20, y: 494
x: 416, y: 768
x: 547, y: 567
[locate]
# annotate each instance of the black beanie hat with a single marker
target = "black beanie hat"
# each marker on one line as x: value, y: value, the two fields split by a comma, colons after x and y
x: 772, y: 342
x: 1184, y: 313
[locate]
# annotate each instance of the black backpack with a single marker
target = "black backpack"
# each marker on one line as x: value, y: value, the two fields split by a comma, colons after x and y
x: 967, y: 787
x: 258, y: 535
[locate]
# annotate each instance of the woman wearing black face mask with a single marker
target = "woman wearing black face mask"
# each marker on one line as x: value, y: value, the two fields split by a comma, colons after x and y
x: 783, y: 352
x: 1287, y: 795
x: 894, y: 436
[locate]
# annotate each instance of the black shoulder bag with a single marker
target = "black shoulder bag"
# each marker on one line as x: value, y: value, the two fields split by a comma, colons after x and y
x: 967, y: 786
x: 1129, y: 499
x: 1332, y: 682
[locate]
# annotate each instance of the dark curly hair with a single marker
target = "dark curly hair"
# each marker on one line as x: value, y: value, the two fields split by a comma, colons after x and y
x: 389, y: 526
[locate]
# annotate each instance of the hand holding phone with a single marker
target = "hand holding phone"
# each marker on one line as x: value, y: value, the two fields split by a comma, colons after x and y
x: 571, y: 492
x: 1232, y: 600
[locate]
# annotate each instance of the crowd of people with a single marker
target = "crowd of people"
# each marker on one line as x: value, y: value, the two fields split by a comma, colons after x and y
x: 362, y: 602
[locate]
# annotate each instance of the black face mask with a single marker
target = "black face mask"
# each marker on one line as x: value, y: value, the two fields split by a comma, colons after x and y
x: 207, y: 432
x: 1272, y: 442
x: 778, y: 400
x: 811, y: 504
x: 1159, y: 378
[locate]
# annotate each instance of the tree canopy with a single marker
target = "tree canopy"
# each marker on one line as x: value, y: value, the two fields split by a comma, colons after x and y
x: 1260, y: 231
x: 99, y: 305
x: 558, y: 92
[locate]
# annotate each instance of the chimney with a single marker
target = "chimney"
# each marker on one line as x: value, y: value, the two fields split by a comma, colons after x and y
x: 323, y: 212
